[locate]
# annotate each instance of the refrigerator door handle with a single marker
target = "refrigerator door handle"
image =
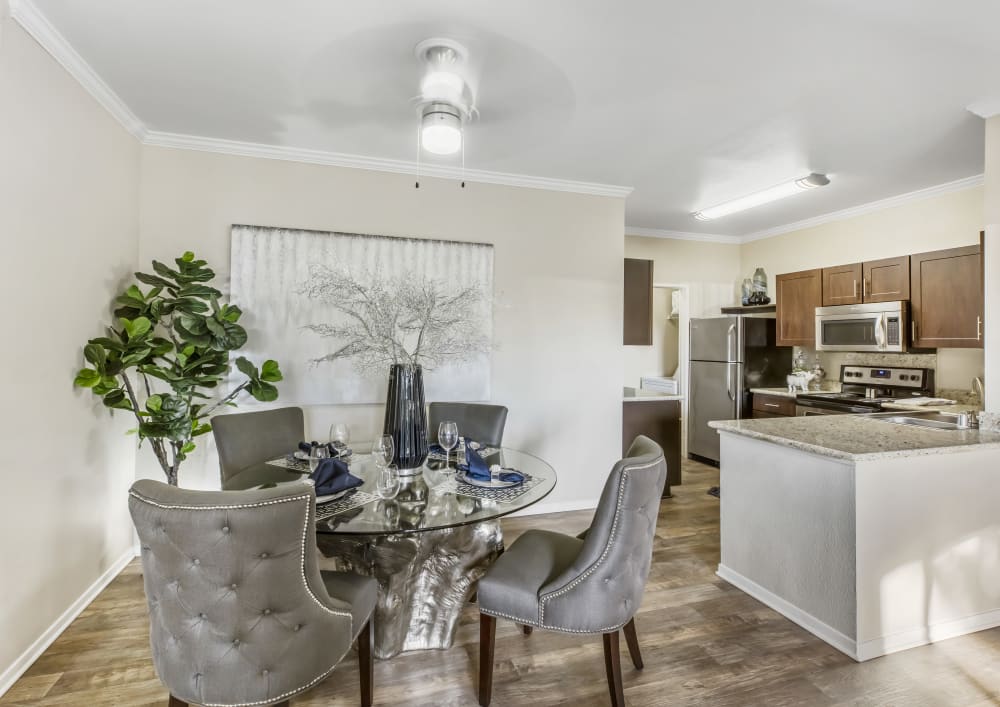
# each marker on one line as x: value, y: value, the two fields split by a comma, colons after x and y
x: 730, y: 355
x: 729, y: 382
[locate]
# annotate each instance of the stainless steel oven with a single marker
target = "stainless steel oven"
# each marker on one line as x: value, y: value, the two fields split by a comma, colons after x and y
x: 878, y: 326
x: 807, y: 408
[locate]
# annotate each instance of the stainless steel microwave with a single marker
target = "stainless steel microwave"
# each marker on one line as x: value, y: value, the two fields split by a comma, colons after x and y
x: 876, y: 326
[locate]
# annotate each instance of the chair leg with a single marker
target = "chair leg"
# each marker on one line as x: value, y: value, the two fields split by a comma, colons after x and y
x: 527, y: 629
x: 633, y: 644
x: 174, y: 702
x: 487, y: 639
x: 285, y: 703
x: 365, y: 663
x: 613, y: 666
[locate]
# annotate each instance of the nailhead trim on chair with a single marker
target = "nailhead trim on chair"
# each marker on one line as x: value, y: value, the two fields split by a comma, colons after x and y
x: 305, y: 531
x: 607, y: 548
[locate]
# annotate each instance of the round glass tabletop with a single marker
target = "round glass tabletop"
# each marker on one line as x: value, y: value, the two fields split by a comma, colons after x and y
x: 431, y: 500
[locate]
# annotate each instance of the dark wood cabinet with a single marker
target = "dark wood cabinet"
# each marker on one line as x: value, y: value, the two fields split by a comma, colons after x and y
x: 886, y: 280
x: 772, y: 406
x: 638, y: 314
x: 797, y: 295
x: 660, y: 420
x: 946, y: 298
x: 842, y: 285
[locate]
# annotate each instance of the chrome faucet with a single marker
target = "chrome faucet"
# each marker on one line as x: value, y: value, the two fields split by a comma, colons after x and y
x: 977, y: 388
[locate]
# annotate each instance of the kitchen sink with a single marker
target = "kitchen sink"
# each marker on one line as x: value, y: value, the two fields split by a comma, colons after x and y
x: 929, y: 419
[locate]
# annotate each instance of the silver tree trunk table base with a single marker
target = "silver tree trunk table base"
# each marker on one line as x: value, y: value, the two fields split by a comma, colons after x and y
x: 424, y: 579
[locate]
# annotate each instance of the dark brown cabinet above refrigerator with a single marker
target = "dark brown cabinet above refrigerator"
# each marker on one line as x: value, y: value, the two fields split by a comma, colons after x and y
x: 638, y: 314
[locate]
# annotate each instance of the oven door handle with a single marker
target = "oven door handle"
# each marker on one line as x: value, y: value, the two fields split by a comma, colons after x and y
x: 880, y: 333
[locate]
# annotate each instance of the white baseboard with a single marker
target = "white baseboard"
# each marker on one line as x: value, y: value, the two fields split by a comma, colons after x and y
x: 12, y: 672
x: 895, y: 642
x: 810, y: 623
x: 561, y: 507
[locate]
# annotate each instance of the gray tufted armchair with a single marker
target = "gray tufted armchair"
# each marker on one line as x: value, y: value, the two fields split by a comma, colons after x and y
x: 476, y: 421
x: 248, y: 438
x: 239, y: 611
x: 592, y: 583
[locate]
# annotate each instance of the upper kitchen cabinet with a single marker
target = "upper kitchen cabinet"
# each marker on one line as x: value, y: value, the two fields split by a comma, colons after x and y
x: 886, y: 280
x: 842, y: 285
x: 638, y: 315
x: 874, y: 281
x: 946, y: 298
x: 797, y: 295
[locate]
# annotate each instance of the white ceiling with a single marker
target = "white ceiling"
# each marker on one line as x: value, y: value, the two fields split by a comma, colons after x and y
x: 691, y: 103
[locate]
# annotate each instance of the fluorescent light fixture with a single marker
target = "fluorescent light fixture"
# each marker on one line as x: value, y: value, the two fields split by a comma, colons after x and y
x: 441, y: 129
x: 779, y: 191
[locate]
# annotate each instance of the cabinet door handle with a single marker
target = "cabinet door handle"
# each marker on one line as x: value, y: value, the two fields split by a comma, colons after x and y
x: 771, y: 405
x: 913, y: 331
x: 855, y: 289
x: 864, y: 288
x: 979, y: 328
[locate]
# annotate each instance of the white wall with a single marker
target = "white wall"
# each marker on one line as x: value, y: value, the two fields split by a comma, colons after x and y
x: 991, y: 217
x: 558, y: 280
x: 945, y: 221
x: 69, y: 223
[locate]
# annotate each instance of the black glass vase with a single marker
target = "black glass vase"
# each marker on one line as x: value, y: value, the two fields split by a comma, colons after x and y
x: 406, y: 417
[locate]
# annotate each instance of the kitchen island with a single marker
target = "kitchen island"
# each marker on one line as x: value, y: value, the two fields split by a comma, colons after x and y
x: 874, y: 536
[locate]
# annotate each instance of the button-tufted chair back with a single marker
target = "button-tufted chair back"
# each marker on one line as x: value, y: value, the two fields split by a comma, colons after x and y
x: 479, y: 422
x: 601, y: 590
x: 237, y: 607
x: 248, y: 438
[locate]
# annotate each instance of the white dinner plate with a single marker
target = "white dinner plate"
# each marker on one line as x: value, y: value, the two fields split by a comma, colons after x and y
x: 486, y: 484
x: 332, y: 496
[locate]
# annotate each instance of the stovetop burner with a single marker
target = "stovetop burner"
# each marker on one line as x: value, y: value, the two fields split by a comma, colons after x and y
x: 888, y: 384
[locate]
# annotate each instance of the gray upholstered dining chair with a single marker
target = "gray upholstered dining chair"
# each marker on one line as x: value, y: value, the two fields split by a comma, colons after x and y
x: 476, y: 421
x: 248, y: 438
x: 592, y: 583
x: 239, y: 612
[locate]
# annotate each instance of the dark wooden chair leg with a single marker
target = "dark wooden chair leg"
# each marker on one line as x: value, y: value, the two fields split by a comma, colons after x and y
x: 527, y: 629
x: 366, y: 663
x: 487, y: 638
x: 286, y: 703
x: 174, y: 702
x: 633, y: 644
x: 613, y: 666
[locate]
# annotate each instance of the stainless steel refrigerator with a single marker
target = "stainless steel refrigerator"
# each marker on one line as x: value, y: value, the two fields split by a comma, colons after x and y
x: 729, y: 356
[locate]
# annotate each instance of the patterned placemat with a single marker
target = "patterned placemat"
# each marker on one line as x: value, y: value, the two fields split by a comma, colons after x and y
x: 504, y: 495
x: 292, y: 464
x: 351, y: 500
x: 483, y: 452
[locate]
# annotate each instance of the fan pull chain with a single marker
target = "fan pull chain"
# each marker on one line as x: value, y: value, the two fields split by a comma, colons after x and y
x: 463, y: 158
x: 417, y: 185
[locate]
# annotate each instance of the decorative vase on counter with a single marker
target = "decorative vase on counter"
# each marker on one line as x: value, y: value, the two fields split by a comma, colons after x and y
x: 760, y: 281
x: 406, y: 417
x: 746, y: 289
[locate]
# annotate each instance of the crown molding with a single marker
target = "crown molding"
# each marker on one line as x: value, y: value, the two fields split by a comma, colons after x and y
x: 870, y: 207
x: 986, y: 108
x: 379, y: 164
x: 681, y: 235
x: 38, y: 26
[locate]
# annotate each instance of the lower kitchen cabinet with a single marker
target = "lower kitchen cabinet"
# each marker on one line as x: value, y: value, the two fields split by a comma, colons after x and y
x: 772, y: 406
x: 660, y: 420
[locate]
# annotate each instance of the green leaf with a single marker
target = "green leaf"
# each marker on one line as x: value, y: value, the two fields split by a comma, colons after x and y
x: 270, y: 371
x: 154, y: 403
x: 116, y: 399
x: 163, y: 271
x: 264, y: 392
x: 136, y: 327
x: 87, y: 378
x: 135, y: 293
x: 95, y: 355
x: 154, y: 280
x: 188, y: 256
x: 201, y: 429
x: 188, y: 447
x: 247, y: 368
x: 107, y: 343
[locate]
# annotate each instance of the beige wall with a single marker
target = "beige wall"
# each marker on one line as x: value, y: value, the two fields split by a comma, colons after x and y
x: 662, y: 358
x: 558, y: 275
x: 991, y: 217
x: 69, y: 179
x: 710, y: 271
x: 944, y: 221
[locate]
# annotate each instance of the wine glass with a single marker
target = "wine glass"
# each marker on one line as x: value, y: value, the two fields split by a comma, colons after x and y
x: 387, y: 481
x: 318, y: 453
x: 447, y: 438
x: 383, y: 450
x: 340, y: 433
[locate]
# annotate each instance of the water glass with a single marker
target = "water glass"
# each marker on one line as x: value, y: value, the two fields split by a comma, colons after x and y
x: 387, y: 481
x: 317, y: 454
x: 340, y: 433
x: 383, y: 451
x: 447, y: 437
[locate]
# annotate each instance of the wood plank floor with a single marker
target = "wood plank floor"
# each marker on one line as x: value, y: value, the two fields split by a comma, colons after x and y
x: 704, y: 643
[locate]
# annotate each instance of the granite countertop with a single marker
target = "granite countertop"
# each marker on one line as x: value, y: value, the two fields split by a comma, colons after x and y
x: 781, y: 392
x: 958, y: 407
x: 638, y: 395
x: 858, y: 437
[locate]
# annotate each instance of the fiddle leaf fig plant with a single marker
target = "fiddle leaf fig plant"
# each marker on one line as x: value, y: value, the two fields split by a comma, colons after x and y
x: 169, y: 346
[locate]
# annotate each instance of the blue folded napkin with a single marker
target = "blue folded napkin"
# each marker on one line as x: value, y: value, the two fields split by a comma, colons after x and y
x: 475, y: 467
x: 332, y: 476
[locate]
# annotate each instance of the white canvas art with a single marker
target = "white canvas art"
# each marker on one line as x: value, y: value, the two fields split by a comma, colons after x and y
x: 337, y: 309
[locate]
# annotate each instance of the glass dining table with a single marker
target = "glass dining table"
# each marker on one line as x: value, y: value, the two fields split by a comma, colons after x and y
x: 427, y: 546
